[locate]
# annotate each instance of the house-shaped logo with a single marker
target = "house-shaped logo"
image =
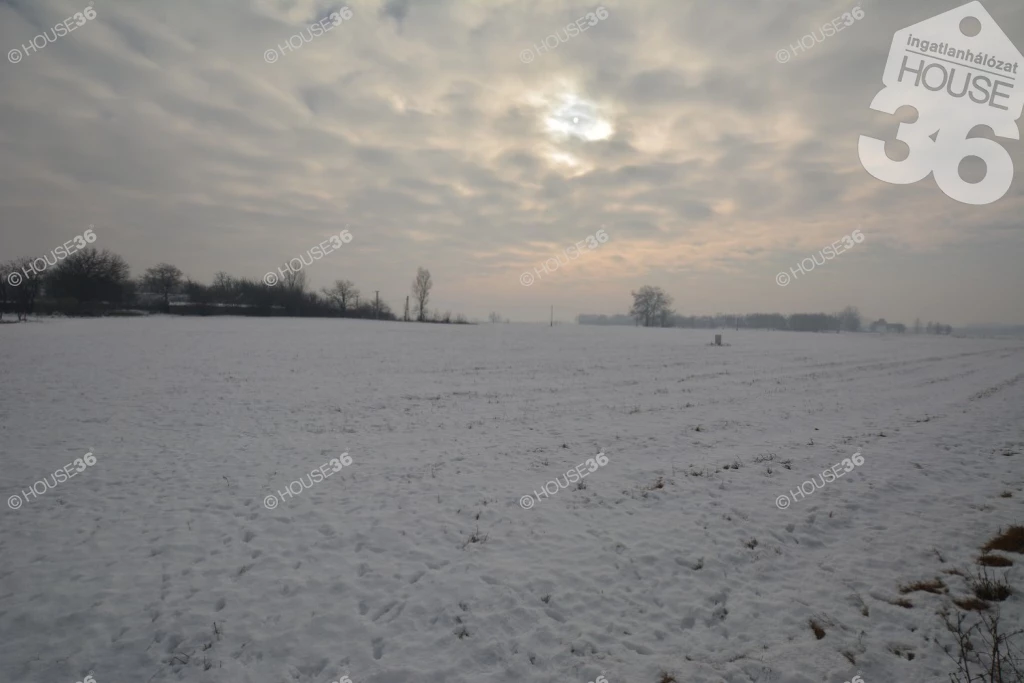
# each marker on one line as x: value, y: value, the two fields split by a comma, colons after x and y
x: 937, y: 56
x: 957, y: 77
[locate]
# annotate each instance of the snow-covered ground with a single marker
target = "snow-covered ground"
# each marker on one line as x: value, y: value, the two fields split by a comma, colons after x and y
x: 417, y: 562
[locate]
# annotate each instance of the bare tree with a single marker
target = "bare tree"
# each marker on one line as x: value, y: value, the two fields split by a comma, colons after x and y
x: 5, y: 270
x: 651, y: 306
x: 421, y: 290
x: 849, y: 319
x: 162, y: 279
x: 495, y: 317
x: 90, y: 275
x: 342, y: 293
x: 23, y: 296
x: 295, y: 281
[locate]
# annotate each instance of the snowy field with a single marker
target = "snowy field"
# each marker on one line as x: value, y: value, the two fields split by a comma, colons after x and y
x: 418, y: 563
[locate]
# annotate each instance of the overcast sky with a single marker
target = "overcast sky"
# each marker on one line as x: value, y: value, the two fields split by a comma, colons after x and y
x: 424, y: 128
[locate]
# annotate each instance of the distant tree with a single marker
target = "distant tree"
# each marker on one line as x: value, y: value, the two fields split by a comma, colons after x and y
x: 495, y: 317
x: 650, y: 305
x: 162, y: 279
x: 294, y: 281
x: 850, y: 320
x: 292, y: 294
x: 90, y: 276
x: 931, y: 327
x: 368, y: 309
x: 23, y: 296
x: 899, y: 328
x: 421, y: 287
x: 917, y: 326
x: 762, y: 321
x: 5, y: 270
x: 224, y: 289
x: 665, y: 316
x: 617, y: 319
x: 196, y: 292
x: 343, y: 292
x: 812, y: 322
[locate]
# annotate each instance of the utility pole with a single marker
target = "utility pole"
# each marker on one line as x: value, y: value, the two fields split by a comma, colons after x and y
x: 552, y: 316
x: 376, y: 305
x: 406, y: 308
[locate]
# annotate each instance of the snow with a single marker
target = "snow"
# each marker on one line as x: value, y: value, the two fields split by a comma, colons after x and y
x: 162, y: 559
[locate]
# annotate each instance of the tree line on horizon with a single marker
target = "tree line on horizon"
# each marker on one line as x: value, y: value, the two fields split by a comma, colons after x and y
x: 91, y: 282
x: 652, y: 307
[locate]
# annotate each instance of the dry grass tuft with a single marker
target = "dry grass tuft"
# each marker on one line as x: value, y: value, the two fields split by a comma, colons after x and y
x: 819, y: 631
x: 995, y: 561
x: 991, y: 590
x: 934, y: 586
x: 1010, y: 541
x: 970, y: 604
x: 901, y: 602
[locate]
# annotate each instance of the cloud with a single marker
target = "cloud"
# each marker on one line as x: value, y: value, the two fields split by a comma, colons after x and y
x: 419, y: 124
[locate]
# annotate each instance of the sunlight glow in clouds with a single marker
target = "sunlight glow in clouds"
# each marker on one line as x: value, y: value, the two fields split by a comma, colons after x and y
x: 574, y: 116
